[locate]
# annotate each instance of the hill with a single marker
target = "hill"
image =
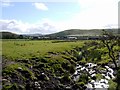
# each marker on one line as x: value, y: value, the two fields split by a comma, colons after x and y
x: 9, y: 35
x: 32, y: 35
x: 79, y: 32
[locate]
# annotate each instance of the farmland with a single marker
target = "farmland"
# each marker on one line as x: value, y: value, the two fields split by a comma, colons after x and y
x: 51, y: 64
x: 25, y: 49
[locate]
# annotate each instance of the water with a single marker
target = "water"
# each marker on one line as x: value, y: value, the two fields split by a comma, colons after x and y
x: 106, y: 74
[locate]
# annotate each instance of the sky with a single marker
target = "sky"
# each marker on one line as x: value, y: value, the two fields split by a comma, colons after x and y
x: 28, y: 17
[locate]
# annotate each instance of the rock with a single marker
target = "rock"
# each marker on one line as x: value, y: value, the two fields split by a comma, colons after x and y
x: 90, y: 65
x: 89, y: 86
x: 86, y: 69
x: 79, y: 71
x: 94, y: 77
x: 92, y: 71
x: 4, y: 80
x: 106, y: 67
x: 31, y: 67
x: 68, y: 87
x: 97, y: 85
x: 107, y: 77
x: 103, y: 71
x: 43, y: 77
x: 92, y: 81
x: 115, y: 72
x: 21, y: 87
x: 24, y: 60
x: 37, y: 84
x: 20, y: 69
x: 110, y: 70
x: 104, y: 81
x: 82, y: 68
x: 112, y: 66
x: 78, y: 67
x: 76, y: 87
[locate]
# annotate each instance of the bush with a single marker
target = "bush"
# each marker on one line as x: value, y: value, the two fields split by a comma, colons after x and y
x: 83, y: 78
x: 112, y: 85
x: 11, y: 87
x: 66, y: 78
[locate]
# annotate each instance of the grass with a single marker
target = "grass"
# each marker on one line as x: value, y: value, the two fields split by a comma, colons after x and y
x: 112, y: 86
x: 13, y: 67
x: 25, y: 49
x: 56, y: 58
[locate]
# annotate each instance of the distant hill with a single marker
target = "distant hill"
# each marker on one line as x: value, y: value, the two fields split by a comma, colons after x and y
x: 79, y: 32
x: 9, y: 35
x: 32, y: 35
x: 62, y: 34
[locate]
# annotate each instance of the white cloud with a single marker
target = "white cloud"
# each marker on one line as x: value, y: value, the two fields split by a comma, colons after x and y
x: 93, y: 14
x: 41, y: 6
x: 20, y: 27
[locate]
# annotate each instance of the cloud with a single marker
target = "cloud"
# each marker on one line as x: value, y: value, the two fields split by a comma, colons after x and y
x: 20, y: 27
x: 94, y: 14
x: 40, y: 6
x: 97, y: 14
x: 13, y: 26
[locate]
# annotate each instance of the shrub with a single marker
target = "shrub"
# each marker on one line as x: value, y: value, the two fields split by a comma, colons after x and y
x: 112, y: 85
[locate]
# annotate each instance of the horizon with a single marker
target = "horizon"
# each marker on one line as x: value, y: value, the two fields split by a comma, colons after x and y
x: 51, y: 17
x: 56, y: 32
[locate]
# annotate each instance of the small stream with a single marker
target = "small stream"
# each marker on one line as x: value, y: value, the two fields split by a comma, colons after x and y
x: 92, y: 70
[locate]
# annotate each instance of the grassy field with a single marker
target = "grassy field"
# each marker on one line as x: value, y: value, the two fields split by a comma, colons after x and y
x: 24, y: 48
x: 27, y: 60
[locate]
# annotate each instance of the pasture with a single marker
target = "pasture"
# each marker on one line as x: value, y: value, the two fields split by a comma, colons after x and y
x: 27, y: 48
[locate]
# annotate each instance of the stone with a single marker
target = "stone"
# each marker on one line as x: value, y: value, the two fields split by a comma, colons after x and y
x: 68, y: 87
x: 43, y: 76
x: 19, y: 68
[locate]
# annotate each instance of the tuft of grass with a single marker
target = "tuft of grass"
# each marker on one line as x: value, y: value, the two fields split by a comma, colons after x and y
x: 13, y: 68
x: 112, y: 85
x: 99, y: 76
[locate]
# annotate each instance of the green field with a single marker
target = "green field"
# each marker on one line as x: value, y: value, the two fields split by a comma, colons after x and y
x: 24, y: 49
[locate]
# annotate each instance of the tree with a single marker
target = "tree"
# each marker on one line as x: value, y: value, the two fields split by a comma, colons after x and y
x: 20, y: 37
x: 110, y: 40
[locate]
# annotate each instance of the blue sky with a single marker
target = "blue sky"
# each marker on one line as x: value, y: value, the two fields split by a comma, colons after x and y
x: 27, y: 11
x: 50, y: 17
